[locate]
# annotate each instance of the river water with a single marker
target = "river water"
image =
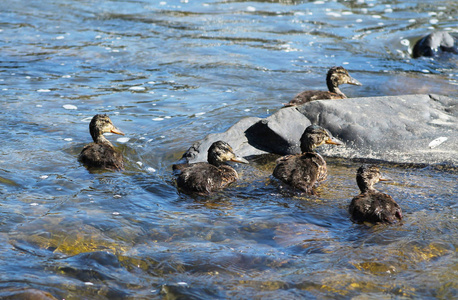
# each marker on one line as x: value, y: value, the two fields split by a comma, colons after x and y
x: 168, y: 73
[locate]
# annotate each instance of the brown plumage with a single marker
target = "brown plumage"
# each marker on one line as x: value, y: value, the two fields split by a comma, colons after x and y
x: 335, y: 77
x: 371, y: 205
x: 203, y: 178
x: 101, y: 153
x: 303, y: 171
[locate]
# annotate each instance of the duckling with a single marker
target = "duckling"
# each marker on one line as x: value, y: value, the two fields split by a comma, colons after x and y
x: 202, y: 178
x: 303, y: 171
x: 435, y: 43
x: 335, y: 77
x: 371, y: 205
x: 101, y: 153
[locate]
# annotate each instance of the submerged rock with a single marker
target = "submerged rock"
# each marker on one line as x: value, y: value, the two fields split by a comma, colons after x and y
x: 418, y: 129
x: 434, y: 44
x: 25, y: 294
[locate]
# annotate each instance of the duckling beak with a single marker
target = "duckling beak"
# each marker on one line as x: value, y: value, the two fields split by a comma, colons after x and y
x: 385, y: 179
x: 354, y: 81
x: 116, y: 130
x: 239, y: 160
x: 333, y: 141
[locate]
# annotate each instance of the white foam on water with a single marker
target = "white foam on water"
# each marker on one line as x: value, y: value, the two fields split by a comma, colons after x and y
x: 70, y: 106
x: 405, y: 42
x: 123, y: 139
x: 43, y: 91
x: 334, y: 14
x: 137, y: 88
x: 158, y: 119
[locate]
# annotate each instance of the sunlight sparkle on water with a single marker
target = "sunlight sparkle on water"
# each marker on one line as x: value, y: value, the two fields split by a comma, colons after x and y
x: 69, y: 106
x: 123, y: 139
x: 137, y: 88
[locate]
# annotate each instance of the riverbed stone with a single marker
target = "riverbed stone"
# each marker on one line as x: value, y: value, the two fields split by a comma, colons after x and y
x: 415, y: 129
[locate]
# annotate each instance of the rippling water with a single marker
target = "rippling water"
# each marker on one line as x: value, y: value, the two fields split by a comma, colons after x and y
x: 168, y: 73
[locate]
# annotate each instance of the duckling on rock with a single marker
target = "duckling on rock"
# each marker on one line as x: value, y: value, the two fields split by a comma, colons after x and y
x: 335, y: 77
x: 371, y: 205
x: 303, y: 171
x: 101, y: 153
x: 202, y: 178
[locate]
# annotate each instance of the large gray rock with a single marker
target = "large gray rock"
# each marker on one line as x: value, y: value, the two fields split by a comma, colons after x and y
x: 418, y: 129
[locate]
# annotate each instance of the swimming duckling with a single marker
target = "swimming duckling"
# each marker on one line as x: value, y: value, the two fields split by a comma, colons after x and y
x: 303, y: 171
x: 335, y: 77
x: 435, y: 43
x: 101, y: 153
x: 202, y: 178
x: 371, y: 205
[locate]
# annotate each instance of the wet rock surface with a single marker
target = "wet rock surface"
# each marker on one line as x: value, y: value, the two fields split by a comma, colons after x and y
x: 435, y: 44
x: 416, y: 129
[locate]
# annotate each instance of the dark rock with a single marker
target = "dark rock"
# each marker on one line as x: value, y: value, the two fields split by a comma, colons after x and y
x: 278, y: 133
x: 25, y: 294
x: 235, y: 136
x: 397, y: 129
x: 434, y: 44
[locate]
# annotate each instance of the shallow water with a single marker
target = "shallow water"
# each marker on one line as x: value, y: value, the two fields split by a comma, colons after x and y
x: 168, y: 73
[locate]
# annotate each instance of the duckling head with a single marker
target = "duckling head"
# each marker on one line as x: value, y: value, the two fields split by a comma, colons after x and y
x: 101, y: 124
x: 221, y: 152
x: 315, y: 136
x: 367, y: 176
x: 337, y: 76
